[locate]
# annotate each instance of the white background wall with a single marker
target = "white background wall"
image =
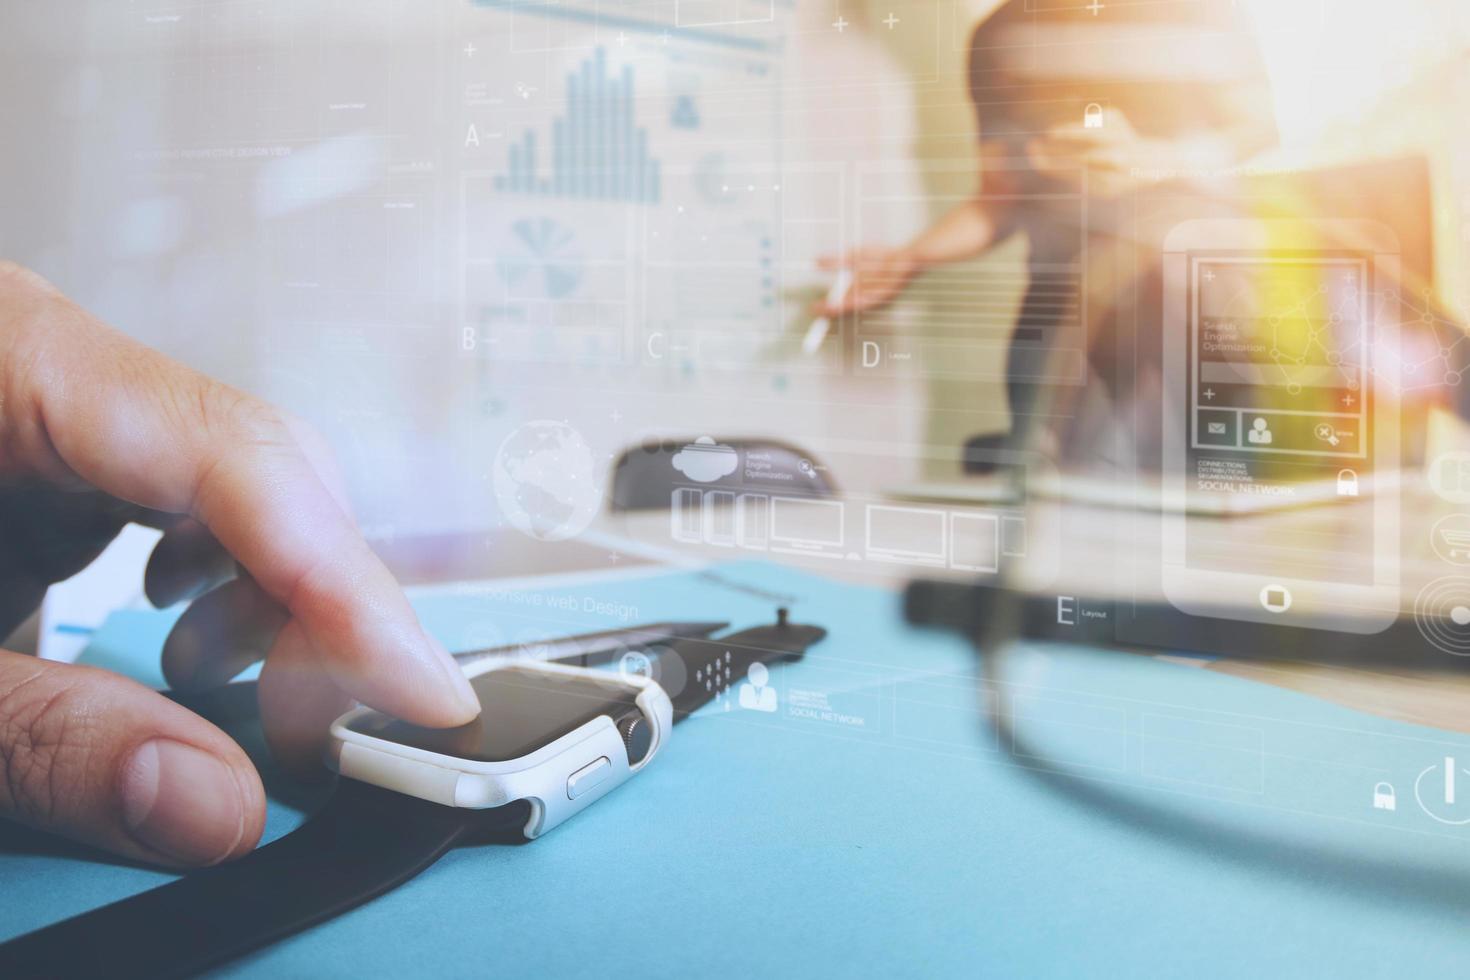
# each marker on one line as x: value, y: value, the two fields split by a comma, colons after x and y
x: 117, y: 180
x: 129, y: 179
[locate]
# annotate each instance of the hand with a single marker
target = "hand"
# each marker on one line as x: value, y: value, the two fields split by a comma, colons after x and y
x: 1111, y: 153
x: 97, y: 430
x: 878, y: 276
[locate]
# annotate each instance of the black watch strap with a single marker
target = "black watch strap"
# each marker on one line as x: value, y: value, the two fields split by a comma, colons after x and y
x: 365, y: 841
x: 696, y: 672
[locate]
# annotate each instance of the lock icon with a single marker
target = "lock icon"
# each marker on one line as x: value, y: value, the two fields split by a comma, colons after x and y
x: 1347, y: 483
x: 1092, y: 116
x: 1383, y: 797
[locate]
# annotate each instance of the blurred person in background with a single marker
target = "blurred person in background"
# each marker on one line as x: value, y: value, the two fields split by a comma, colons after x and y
x: 1065, y: 104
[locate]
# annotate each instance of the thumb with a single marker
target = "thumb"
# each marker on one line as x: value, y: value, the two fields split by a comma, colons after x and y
x: 103, y: 760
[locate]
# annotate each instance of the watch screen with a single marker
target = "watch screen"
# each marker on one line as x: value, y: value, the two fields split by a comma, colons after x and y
x: 521, y: 710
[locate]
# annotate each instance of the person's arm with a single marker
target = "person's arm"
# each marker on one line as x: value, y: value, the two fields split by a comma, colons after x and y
x: 880, y: 274
x: 97, y: 430
x: 1117, y: 158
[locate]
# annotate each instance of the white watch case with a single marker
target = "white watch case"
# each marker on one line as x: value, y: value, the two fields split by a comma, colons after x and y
x: 559, y: 779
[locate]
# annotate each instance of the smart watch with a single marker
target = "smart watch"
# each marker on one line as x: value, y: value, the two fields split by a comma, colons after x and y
x: 551, y: 740
x: 558, y: 737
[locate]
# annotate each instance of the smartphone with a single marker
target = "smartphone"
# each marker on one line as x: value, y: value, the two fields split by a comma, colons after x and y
x: 1281, y: 423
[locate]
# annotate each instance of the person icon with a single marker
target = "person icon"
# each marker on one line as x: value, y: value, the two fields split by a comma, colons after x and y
x: 1259, y: 434
x: 756, y: 693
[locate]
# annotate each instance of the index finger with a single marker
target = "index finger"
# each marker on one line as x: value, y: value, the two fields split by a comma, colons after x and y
x: 143, y: 427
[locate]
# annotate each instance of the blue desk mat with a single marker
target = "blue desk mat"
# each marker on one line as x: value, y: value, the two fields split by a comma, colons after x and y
x: 868, y: 827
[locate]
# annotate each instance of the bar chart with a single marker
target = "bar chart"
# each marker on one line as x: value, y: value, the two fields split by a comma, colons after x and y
x: 597, y: 152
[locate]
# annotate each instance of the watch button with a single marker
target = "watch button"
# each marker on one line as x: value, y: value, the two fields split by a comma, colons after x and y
x: 637, y: 736
x: 588, y: 777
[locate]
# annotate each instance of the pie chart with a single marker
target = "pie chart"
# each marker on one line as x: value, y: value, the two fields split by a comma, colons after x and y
x: 541, y: 260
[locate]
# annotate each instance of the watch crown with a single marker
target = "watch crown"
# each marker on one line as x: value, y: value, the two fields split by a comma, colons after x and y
x: 637, y: 736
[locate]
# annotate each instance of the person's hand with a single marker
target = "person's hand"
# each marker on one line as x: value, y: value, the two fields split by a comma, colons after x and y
x: 879, y: 275
x: 97, y: 430
x: 1111, y: 154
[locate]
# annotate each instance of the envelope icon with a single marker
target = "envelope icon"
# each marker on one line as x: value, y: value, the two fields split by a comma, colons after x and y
x: 1215, y: 428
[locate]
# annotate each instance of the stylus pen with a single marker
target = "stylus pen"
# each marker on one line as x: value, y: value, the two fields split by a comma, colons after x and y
x: 592, y: 649
x: 822, y: 325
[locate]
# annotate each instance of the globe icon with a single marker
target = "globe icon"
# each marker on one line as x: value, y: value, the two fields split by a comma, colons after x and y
x: 546, y: 481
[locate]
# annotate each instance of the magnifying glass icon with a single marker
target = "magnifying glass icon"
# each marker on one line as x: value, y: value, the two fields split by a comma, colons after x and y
x: 1327, y: 433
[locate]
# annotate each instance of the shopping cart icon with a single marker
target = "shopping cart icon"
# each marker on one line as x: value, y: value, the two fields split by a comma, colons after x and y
x: 1457, y: 542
